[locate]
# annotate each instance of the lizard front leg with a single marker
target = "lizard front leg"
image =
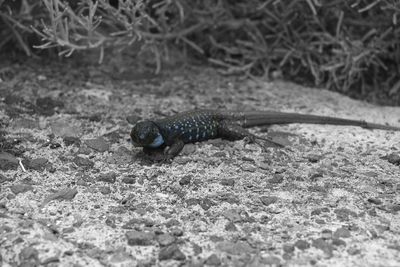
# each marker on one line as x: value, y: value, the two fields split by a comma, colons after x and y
x: 236, y: 132
x: 174, y: 149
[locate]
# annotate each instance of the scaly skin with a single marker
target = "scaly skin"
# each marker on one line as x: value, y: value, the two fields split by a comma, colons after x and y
x: 200, y: 125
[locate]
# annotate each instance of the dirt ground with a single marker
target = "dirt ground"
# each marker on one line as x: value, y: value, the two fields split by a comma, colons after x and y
x: 74, y: 192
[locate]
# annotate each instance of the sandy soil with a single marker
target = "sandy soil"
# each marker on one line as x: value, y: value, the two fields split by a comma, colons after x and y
x: 74, y: 192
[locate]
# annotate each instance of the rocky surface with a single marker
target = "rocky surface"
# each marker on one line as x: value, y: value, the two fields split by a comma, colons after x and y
x: 74, y: 192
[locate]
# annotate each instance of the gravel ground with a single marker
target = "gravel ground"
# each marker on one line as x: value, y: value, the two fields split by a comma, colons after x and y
x: 74, y: 192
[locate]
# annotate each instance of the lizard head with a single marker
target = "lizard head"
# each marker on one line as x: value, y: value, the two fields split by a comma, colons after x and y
x: 146, y: 134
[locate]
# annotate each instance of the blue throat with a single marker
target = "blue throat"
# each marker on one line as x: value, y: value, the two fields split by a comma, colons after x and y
x: 158, y: 141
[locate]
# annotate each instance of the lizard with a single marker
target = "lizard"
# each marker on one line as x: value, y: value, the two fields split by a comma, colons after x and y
x: 201, y: 125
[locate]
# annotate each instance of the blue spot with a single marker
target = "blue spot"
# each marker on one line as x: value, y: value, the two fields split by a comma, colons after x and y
x: 158, y: 141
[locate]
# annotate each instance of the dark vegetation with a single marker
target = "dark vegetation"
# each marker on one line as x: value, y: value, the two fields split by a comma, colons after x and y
x: 347, y: 46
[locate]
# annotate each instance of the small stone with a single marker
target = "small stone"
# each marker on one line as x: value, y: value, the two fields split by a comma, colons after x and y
x: 206, y: 203
x: 213, y: 260
x: 63, y: 128
x: 313, y: 158
x: 21, y: 188
x: 63, y: 194
x: 128, y: 180
x: 38, y: 164
x: 228, y: 182
x: 192, y: 201
x: 302, y: 244
x: 165, y: 239
x: 171, y: 252
x: 232, y: 215
x: 49, y: 260
x: 99, y: 144
x: 177, y: 232
x: 136, y: 238
x: 268, y: 200
x: 338, y: 242
x: 8, y: 162
x: 321, y: 244
x: 172, y: 222
x: 231, y: 227
x: 271, y: 261
x: 109, y: 177
x: 375, y: 201
x: 83, y: 162
x: 277, y: 179
x: 196, y: 249
x: 185, y: 180
x: 29, y: 256
x: 343, y: 214
x: 4, y: 179
x: 316, y: 212
x: 353, y: 251
x: 71, y: 140
x: 105, y: 190
x: 342, y: 232
x: 235, y: 248
x: 288, y: 248
x: 326, y: 234
x: 394, y: 208
x: 393, y: 158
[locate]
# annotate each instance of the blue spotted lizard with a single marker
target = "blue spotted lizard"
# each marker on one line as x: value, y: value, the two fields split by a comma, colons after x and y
x: 200, y: 125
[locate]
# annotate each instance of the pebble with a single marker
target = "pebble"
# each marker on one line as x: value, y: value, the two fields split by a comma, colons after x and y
x: 63, y: 128
x: 375, y: 201
x: 128, y: 180
x: 63, y: 194
x: 338, y: 242
x: 321, y: 244
x: 277, y: 179
x: 393, y: 158
x: 4, y: 179
x: 21, y: 188
x: 206, y: 203
x: 228, y: 182
x: 343, y: 214
x: 29, y: 257
x: 213, y: 260
x: 38, y: 164
x: 231, y: 227
x: 268, y: 200
x: 136, y: 238
x: 83, y: 162
x: 342, y: 232
x: 235, y: 248
x: 172, y: 222
x: 105, y: 190
x: 302, y: 244
x: 165, y: 239
x: 8, y: 162
x: 313, y: 158
x: 185, y: 180
x: 71, y: 140
x: 99, y: 144
x: 171, y: 252
x: 288, y: 248
x: 109, y: 177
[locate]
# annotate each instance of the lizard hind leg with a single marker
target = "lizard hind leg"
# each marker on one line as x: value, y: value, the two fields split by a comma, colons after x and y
x: 236, y: 132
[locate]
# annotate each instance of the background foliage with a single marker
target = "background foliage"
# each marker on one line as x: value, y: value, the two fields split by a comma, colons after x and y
x: 350, y: 46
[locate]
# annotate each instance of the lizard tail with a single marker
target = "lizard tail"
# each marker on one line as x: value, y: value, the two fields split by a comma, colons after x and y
x: 261, y: 118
